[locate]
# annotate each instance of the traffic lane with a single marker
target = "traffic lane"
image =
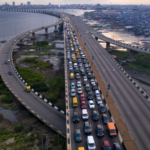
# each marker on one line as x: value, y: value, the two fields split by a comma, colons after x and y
x: 16, y: 85
x: 93, y: 123
x: 134, y: 121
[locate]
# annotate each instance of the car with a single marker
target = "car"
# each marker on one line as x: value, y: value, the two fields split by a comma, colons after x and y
x: 89, y: 76
x: 82, y: 97
x: 81, y: 53
x: 86, y: 65
x: 78, y: 136
x: 99, y: 130
x: 79, y: 91
x: 10, y: 72
x: 87, y: 127
x: 97, y: 94
x: 71, y: 71
x: 116, y: 146
x: 70, y: 68
x: 76, y: 117
x: 68, y: 57
x: 72, y: 85
x: 70, y: 63
x: 76, y: 70
x: 105, y: 118
x: 102, y: 108
x: 87, y: 87
x: 81, y: 69
x: 83, y: 105
x: 106, y: 145
x: 84, y: 61
x: 83, y: 56
x: 85, y: 78
x: 75, y: 65
x: 94, y: 87
x: 91, y: 104
x: 99, y: 100
x: 80, y: 64
x: 73, y: 93
x: 92, y: 81
x: 79, y: 60
x: 90, y: 95
x: 78, y: 84
x: 82, y: 72
x: 77, y: 76
x: 70, y: 60
x: 87, y: 70
x: 95, y: 115
x: 6, y: 62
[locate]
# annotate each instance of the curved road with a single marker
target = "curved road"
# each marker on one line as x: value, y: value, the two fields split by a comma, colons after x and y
x: 37, y: 105
x: 131, y: 104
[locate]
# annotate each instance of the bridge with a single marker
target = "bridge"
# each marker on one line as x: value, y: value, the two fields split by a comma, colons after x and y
x: 125, y: 96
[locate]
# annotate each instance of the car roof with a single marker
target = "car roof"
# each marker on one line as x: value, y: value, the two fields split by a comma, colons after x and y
x: 95, y: 111
x: 104, y: 115
x: 77, y: 130
x: 86, y: 123
x: 81, y: 95
x: 106, y: 143
x: 75, y: 113
x: 99, y: 126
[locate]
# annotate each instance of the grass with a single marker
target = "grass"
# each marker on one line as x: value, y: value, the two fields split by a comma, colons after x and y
x: 34, y: 63
x: 141, y: 63
x: 27, y: 53
x: 43, y: 44
x: 96, y: 26
x: 49, y: 54
x: 9, y: 106
x: 34, y: 79
x: 56, y: 87
x: 6, y: 99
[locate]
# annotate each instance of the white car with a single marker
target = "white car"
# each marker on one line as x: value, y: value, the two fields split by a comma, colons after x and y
x: 78, y: 84
x: 75, y: 65
x: 83, y: 56
x: 91, y: 104
x: 70, y: 68
x: 97, y: 94
x: 73, y: 93
x: 92, y: 81
x: 79, y: 91
x: 8, y: 59
x: 99, y: 100
x: 86, y: 65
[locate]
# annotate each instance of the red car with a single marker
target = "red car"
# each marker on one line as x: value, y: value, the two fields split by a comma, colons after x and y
x: 83, y: 104
x: 82, y: 98
x: 106, y: 145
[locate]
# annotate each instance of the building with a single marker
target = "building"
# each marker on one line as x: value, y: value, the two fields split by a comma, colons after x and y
x: 13, y: 3
x: 28, y: 3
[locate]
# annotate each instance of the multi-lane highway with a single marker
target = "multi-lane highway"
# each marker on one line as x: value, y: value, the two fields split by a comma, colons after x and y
x: 80, y: 125
x: 38, y: 106
x: 131, y: 104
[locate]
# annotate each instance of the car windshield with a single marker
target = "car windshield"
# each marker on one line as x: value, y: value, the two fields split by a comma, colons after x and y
x: 105, y: 118
x: 87, y: 127
x: 91, y: 103
x: 95, y: 115
x: 84, y: 114
x: 102, y: 107
x: 82, y: 96
x: 91, y: 144
x: 100, y: 130
x: 107, y: 148
x: 89, y: 94
x: 72, y: 92
x: 75, y: 116
x: 83, y: 104
x: 113, y: 131
x: 78, y: 135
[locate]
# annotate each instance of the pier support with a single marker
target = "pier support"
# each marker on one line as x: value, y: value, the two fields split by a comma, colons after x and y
x: 107, y: 46
x: 96, y: 38
x: 46, y: 30
x: 20, y: 42
x: 33, y: 35
x: 131, y: 55
x: 56, y: 29
x: 60, y: 27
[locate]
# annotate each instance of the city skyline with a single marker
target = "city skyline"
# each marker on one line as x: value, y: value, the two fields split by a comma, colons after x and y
x: 59, y: 2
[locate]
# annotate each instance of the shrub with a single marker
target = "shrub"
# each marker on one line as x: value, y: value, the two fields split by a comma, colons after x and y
x: 6, y: 100
x: 6, y: 93
x: 18, y: 128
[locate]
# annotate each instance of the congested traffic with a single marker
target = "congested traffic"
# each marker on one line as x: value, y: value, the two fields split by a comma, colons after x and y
x: 91, y: 126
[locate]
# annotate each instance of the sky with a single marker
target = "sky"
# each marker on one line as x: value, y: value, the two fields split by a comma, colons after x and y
x: 135, y: 2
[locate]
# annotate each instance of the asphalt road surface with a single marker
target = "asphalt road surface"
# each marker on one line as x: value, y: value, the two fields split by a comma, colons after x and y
x: 41, y: 108
x: 132, y: 106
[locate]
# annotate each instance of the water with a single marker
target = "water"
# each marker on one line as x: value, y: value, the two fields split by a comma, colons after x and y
x: 13, y: 23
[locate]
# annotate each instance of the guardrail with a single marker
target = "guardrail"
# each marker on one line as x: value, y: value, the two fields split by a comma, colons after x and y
x: 130, y: 78
x: 36, y: 93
